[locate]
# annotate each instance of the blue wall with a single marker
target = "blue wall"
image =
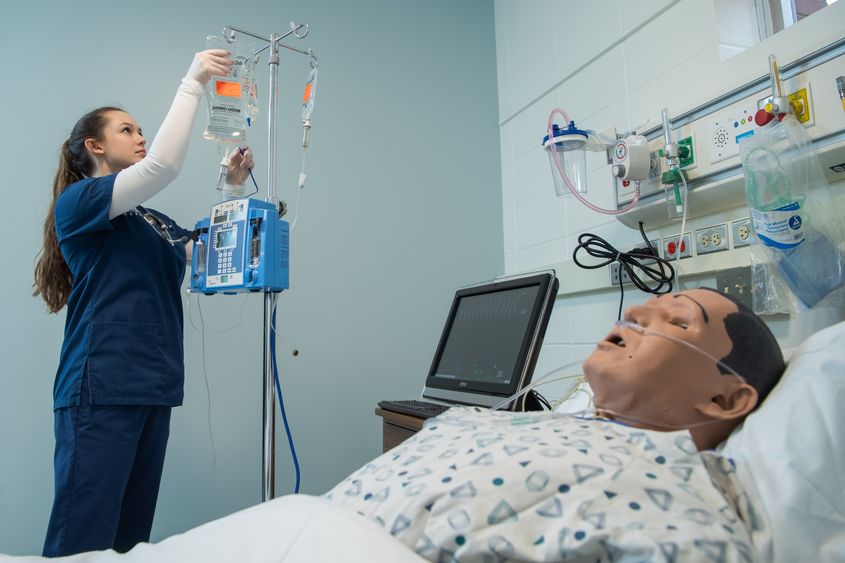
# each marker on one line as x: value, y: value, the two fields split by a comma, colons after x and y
x: 403, y: 204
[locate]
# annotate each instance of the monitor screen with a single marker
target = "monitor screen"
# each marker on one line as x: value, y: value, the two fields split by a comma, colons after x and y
x: 487, y: 334
x: 491, y: 339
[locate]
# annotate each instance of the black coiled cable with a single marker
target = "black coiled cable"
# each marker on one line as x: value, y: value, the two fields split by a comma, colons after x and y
x: 648, y: 262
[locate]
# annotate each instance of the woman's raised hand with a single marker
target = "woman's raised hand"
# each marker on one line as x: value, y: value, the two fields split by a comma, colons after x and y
x: 208, y: 63
x: 240, y: 163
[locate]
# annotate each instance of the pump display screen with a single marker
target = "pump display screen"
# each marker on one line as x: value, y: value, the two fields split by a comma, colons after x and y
x: 226, y: 238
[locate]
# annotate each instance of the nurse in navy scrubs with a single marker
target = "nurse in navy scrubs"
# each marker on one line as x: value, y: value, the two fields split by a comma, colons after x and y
x: 118, y: 267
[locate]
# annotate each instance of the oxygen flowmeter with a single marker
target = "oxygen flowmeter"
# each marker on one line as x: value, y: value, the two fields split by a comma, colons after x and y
x: 243, y: 245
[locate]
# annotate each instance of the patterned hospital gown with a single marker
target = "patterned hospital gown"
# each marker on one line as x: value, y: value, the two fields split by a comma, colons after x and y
x: 475, y: 485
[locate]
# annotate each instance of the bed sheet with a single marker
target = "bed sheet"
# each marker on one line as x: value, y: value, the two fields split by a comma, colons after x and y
x: 293, y: 529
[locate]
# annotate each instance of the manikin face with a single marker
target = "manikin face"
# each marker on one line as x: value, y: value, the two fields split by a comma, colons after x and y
x: 652, y: 382
x: 122, y: 144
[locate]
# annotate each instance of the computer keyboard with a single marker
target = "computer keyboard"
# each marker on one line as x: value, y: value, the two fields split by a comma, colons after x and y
x: 420, y: 409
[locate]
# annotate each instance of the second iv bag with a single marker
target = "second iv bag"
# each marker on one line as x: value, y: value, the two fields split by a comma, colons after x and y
x: 229, y: 96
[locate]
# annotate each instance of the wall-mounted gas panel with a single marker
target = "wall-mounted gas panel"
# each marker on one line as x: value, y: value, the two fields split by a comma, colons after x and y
x: 714, y: 132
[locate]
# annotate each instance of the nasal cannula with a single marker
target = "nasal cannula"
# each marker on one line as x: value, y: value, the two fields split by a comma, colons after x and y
x: 622, y: 417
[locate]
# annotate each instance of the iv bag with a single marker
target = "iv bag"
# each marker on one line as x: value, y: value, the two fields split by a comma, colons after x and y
x: 228, y: 97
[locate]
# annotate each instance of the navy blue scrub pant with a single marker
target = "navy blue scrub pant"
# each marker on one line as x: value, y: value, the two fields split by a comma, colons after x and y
x: 108, y: 464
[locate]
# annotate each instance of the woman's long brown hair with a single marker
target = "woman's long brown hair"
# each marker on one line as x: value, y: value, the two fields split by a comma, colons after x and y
x: 53, y: 279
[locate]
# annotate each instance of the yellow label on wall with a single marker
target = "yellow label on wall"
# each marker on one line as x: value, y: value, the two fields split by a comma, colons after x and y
x: 801, y: 104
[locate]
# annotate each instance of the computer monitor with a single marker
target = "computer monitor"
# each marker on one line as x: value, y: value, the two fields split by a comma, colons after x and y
x: 491, y: 340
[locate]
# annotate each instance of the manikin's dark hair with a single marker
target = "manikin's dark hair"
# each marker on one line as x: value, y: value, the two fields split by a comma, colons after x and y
x: 755, y: 354
x: 52, y: 276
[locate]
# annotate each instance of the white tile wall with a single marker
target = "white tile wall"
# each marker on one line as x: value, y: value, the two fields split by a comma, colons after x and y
x: 531, y: 49
x: 669, y: 40
x: 635, y: 13
x: 679, y: 88
x: 603, y: 19
x: 539, y: 219
x: 540, y: 256
x: 532, y: 175
x: 558, y: 331
x: 596, y: 86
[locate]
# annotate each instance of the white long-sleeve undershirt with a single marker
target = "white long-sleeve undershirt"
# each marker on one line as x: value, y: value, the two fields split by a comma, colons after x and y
x: 138, y: 183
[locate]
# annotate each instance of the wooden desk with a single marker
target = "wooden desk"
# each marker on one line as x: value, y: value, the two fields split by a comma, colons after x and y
x: 397, y: 427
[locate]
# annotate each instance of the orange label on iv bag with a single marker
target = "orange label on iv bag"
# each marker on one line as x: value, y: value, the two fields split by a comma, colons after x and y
x: 307, y: 94
x: 230, y: 89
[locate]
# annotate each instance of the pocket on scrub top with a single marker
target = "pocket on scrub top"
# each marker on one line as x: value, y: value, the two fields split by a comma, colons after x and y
x: 125, y: 361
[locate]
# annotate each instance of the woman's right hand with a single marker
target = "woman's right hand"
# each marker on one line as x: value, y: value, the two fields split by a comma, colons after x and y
x: 208, y: 63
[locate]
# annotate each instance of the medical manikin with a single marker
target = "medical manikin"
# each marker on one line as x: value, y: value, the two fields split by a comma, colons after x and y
x: 692, y: 360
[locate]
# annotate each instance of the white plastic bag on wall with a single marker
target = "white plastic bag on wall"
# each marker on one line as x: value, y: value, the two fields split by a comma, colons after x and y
x: 797, y: 259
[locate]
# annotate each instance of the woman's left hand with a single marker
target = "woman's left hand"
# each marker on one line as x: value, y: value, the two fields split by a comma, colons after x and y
x: 240, y: 163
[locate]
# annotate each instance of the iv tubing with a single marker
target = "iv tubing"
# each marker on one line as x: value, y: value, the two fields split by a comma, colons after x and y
x: 208, y: 396
x: 683, y: 226
x: 281, y: 401
x: 623, y: 418
x: 645, y: 331
x: 569, y: 185
x: 535, y: 383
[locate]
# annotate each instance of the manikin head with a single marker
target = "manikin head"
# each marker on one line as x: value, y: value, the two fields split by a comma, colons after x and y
x: 650, y: 381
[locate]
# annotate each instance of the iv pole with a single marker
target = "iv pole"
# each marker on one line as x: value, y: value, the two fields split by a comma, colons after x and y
x: 268, y: 451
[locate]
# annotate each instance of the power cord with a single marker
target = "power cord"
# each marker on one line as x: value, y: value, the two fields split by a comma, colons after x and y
x: 653, y: 266
x: 539, y: 398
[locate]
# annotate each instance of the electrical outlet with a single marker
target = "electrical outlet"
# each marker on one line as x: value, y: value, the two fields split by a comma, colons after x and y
x: 616, y: 269
x: 670, y: 247
x: 741, y: 231
x: 711, y: 239
x: 736, y: 282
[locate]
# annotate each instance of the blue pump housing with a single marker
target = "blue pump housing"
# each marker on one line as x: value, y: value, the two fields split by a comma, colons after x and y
x: 242, y: 246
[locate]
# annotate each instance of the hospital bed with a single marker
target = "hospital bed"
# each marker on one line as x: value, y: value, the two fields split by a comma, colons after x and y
x: 782, y: 494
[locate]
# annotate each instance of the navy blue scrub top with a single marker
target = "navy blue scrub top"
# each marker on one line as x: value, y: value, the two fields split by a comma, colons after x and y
x: 124, y: 313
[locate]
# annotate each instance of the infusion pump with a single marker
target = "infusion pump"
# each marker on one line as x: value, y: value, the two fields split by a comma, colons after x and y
x: 242, y: 246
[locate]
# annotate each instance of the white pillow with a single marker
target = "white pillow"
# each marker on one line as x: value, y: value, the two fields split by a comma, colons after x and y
x: 790, y: 455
